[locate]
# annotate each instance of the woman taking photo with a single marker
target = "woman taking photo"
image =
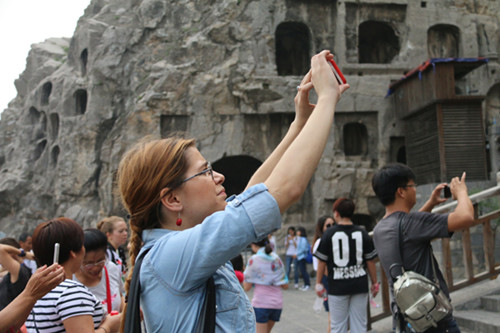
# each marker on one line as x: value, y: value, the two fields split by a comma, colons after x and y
x: 69, y: 307
x: 101, y: 276
x: 178, y: 211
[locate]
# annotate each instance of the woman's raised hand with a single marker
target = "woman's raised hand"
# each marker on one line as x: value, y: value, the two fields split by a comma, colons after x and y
x: 303, y: 108
x: 323, y: 79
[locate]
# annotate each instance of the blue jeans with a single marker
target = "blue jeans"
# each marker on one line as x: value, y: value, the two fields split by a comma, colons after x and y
x: 289, y: 261
x: 263, y: 315
x: 447, y: 325
x: 324, y: 281
x: 302, y: 266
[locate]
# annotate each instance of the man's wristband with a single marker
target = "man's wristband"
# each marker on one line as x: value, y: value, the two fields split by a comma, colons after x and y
x: 319, y: 287
x: 22, y: 254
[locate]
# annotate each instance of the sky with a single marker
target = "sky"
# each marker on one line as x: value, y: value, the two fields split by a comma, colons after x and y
x: 26, y: 22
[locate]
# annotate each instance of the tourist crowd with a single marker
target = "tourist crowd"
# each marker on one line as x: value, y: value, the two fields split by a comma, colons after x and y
x: 186, y: 237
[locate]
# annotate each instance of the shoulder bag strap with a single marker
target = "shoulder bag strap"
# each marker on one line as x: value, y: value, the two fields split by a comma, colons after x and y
x: 206, y: 323
x: 433, y: 267
x: 133, y: 315
x: 398, y: 265
x: 108, y: 290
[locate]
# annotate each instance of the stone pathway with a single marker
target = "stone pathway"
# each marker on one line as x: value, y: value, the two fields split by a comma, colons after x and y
x: 298, y: 315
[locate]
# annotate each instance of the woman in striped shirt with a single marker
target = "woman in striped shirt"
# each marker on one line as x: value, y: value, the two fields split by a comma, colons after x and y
x: 69, y: 307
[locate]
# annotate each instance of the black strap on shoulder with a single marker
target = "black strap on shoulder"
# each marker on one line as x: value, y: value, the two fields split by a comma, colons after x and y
x: 401, y: 264
x: 398, y: 267
x: 206, y: 322
x: 133, y: 316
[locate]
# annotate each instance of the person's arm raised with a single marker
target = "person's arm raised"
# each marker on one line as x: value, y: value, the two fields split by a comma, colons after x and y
x: 463, y: 215
x: 8, y: 262
x: 303, y: 110
x: 434, y: 200
x: 40, y: 283
x: 289, y: 178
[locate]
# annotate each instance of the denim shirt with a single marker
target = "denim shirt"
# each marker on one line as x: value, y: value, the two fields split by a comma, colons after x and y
x: 302, y: 248
x: 174, y: 272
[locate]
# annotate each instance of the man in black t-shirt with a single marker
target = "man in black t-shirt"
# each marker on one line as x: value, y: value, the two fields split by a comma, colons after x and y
x: 395, y: 187
x: 348, y: 252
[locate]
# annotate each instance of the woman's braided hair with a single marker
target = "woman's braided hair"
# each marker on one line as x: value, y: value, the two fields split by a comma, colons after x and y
x: 144, y: 171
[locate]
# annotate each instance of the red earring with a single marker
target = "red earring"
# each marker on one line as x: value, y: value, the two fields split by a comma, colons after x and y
x: 179, y: 220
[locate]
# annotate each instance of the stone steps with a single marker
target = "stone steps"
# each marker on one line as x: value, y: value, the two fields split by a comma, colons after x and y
x: 480, y: 315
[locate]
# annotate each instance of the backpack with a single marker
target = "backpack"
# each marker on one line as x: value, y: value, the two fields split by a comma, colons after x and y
x: 420, y: 301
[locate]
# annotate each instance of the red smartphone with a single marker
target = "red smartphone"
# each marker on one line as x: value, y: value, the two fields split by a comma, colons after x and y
x: 336, y: 70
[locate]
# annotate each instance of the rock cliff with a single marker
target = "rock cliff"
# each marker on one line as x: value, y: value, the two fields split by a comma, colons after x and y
x: 212, y: 69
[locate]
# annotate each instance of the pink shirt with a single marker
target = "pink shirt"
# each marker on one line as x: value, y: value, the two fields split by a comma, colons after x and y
x: 267, y: 297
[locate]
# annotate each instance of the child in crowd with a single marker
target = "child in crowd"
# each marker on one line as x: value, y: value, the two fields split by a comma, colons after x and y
x: 265, y: 270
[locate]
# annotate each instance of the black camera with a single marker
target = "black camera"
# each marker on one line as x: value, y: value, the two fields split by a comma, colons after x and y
x: 447, y: 191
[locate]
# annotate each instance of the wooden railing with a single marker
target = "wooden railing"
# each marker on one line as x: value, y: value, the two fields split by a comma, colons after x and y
x: 471, y: 269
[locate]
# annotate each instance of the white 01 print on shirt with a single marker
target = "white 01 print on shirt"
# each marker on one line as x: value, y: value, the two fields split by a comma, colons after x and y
x: 343, y: 268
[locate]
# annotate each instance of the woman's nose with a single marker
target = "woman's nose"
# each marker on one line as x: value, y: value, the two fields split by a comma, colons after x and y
x: 219, y: 177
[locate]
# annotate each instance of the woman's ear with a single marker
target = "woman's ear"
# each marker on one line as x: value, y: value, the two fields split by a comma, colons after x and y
x: 170, y: 200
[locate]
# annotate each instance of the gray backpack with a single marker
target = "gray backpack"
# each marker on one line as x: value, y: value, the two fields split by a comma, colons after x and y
x: 420, y: 301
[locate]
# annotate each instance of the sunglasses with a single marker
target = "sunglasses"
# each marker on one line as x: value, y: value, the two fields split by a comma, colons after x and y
x: 328, y: 225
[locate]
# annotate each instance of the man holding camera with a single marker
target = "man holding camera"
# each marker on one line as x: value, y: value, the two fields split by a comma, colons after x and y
x: 395, y: 187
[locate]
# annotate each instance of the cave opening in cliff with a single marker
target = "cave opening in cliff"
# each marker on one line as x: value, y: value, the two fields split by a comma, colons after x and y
x: 443, y: 41
x: 80, y: 101
x: 54, y: 125
x: 355, y: 137
x: 292, y: 48
x: 46, y: 91
x: 377, y: 43
x: 365, y: 220
x: 54, y: 155
x: 83, y: 60
x: 397, y: 149
x: 237, y: 171
x: 40, y: 147
x: 33, y: 116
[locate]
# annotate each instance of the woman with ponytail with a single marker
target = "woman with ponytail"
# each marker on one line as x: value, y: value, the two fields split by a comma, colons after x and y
x: 266, y: 272
x: 178, y: 211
